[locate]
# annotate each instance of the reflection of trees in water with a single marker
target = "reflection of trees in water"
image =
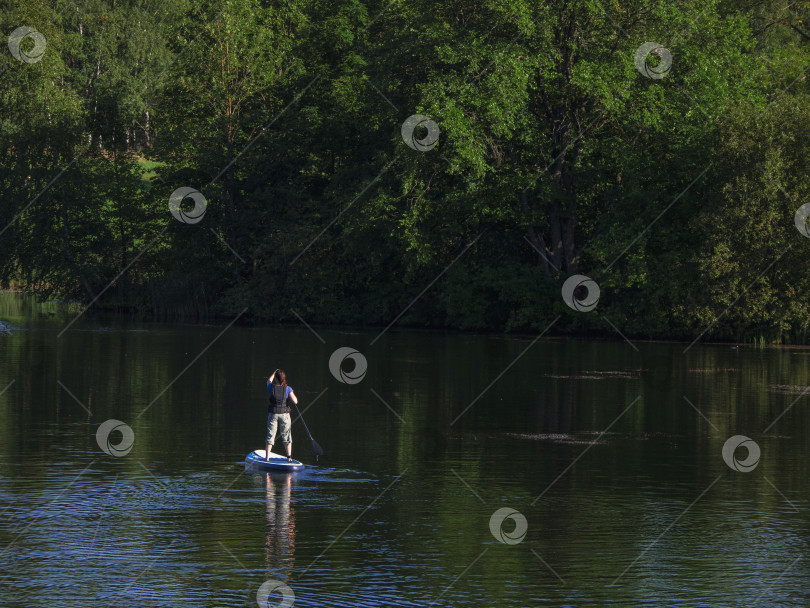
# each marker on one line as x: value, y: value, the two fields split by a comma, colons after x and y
x: 279, y: 545
x: 555, y: 405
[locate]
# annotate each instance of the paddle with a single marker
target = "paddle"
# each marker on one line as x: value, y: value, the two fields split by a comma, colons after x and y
x: 316, y: 449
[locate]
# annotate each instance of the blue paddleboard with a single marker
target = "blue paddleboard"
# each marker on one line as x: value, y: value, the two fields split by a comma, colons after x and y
x: 277, y: 462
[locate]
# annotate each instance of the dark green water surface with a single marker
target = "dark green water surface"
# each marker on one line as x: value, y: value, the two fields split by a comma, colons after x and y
x: 611, y: 455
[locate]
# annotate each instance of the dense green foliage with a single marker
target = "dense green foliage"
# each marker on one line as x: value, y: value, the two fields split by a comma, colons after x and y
x: 556, y: 156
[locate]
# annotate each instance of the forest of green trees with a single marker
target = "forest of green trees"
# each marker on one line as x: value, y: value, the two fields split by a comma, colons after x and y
x: 546, y: 151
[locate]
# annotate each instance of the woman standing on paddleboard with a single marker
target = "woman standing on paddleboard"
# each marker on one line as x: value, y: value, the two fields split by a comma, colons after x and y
x: 278, y: 412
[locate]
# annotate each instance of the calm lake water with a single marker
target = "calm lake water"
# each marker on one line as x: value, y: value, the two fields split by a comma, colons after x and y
x: 459, y: 471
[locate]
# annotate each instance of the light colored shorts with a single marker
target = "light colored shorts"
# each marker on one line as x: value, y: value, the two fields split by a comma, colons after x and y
x: 284, y: 424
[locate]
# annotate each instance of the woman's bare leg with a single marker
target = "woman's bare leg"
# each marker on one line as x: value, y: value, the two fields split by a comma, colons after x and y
x: 288, y: 449
x: 267, y: 451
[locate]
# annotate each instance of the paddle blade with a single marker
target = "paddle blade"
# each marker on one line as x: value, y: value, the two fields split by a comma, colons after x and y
x: 316, y: 449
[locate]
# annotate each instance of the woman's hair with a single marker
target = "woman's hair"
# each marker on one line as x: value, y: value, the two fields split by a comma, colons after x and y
x: 281, y: 377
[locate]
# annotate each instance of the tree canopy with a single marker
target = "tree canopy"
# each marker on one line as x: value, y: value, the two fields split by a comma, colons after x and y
x: 549, y: 141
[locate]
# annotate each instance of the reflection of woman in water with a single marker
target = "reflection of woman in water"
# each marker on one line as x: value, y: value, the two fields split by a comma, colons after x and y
x: 279, y: 525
